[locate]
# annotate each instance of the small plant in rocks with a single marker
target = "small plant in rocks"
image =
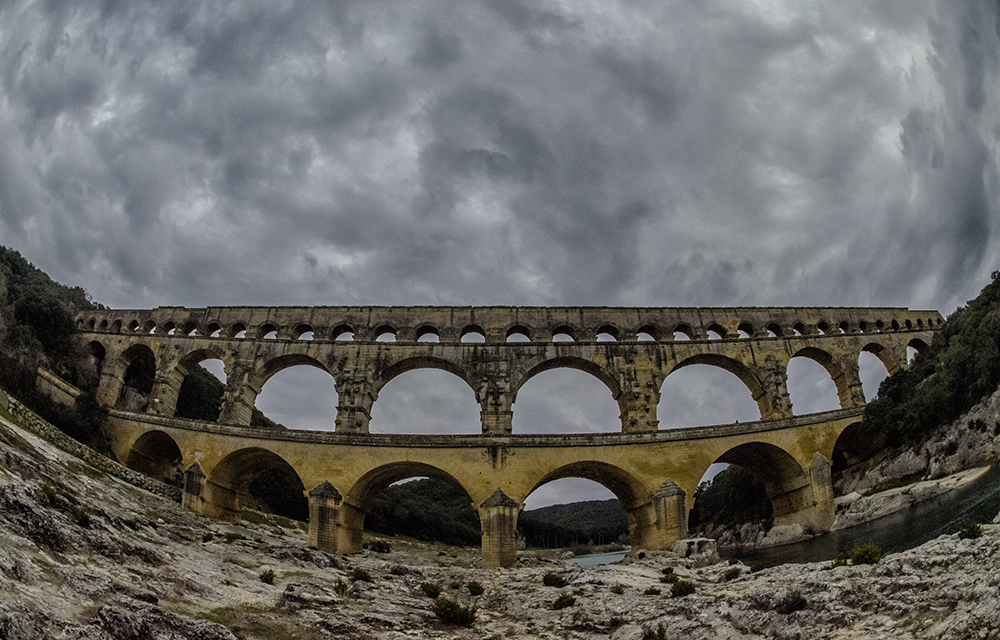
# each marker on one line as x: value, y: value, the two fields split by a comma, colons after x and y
x: 362, y: 575
x: 681, y: 588
x: 866, y: 554
x: 267, y: 577
x: 731, y: 574
x: 476, y: 589
x: 451, y: 612
x: 659, y: 633
x: 341, y: 588
x: 971, y: 531
x: 430, y: 589
x: 841, y: 560
x: 652, y: 591
x: 669, y: 578
x: 563, y: 601
x: 207, y: 537
x: 618, y: 589
x: 553, y: 580
x: 378, y: 546
x: 792, y: 601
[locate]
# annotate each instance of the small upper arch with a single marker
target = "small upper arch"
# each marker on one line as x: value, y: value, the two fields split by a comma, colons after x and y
x: 607, y: 333
x: 564, y: 333
x: 472, y: 333
x: 518, y: 333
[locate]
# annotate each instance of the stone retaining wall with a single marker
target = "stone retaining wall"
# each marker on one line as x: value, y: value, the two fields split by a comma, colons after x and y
x: 34, y: 423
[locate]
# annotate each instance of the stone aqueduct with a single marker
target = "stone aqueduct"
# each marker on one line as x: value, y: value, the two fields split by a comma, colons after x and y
x: 653, y: 472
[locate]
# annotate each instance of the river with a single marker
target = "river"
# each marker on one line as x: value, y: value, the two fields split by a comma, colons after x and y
x: 978, y: 501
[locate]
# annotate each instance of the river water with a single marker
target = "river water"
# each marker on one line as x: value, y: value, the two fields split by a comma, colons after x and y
x: 978, y: 501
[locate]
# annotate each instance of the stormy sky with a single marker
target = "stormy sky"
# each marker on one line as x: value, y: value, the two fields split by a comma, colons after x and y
x: 662, y: 153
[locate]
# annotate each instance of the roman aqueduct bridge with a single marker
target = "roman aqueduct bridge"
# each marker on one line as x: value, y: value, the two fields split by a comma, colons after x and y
x: 495, y: 350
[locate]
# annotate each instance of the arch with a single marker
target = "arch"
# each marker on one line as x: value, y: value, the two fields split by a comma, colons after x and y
x: 90, y: 323
x: 718, y: 330
x: 267, y: 331
x: 190, y: 328
x: 568, y: 362
x: 384, y: 333
x: 149, y: 326
x: 783, y: 478
x: 629, y: 491
x: 428, y: 333
x: 735, y: 367
x: 565, y: 400
x: 304, y: 330
x: 871, y: 371
x: 894, y: 325
x: 227, y: 486
x: 213, y: 330
x: 774, y: 330
x: 844, y: 327
x: 137, y: 365
x: 564, y: 330
x: 236, y: 329
x: 854, y: 446
x: 884, y: 355
x: 863, y: 326
x: 280, y: 363
x: 611, y: 333
x: 387, y: 373
x: 208, y: 393
x: 156, y: 455
x: 918, y: 345
x: 97, y: 350
x: 518, y: 333
x: 103, y: 326
x: 687, y: 333
x: 169, y: 328
x: 702, y: 395
x: 133, y: 326
x: 808, y: 389
x: 746, y: 328
x: 647, y: 330
x: 472, y: 333
x: 426, y: 400
x: 823, y: 327
x: 799, y: 329
x: 116, y: 327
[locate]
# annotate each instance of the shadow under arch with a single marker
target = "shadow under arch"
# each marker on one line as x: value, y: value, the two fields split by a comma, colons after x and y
x: 738, y: 369
x: 156, y: 455
x: 854, y: 446
x: 136, y: 368
x: 788, y: 486
x: 179, y: 378
x: 645, y: 519
x: 356, y: 502
x: 228, y: 485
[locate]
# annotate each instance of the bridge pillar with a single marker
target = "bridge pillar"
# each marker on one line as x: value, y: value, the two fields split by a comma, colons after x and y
x: 806, y: 500
x: 351, y: 529
x: 194, y: 489
x: 639, y: 399
x: 662, y: 521
x: 354, y: 412
x: 324, y: 517
x: 166, y: 389
x: 498, y: 518
x: 849, y: 388
x: 238, y: 397
x: 110, y: 387
x: 773, y: 398
x: 495, y: 401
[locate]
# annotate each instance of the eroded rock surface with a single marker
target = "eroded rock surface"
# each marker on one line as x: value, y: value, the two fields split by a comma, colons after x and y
x: 86, y: 556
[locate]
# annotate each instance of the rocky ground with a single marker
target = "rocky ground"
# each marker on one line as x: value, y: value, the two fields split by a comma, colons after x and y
x: 85, y: 555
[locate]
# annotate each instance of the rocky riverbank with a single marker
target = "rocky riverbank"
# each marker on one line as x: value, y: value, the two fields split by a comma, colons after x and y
x: 88, y: 556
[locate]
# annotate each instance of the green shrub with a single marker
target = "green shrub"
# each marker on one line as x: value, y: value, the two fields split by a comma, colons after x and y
x: 618, y: 589
x: 456, y: 584
x: 233, y: 537
x: 450, y: 612
x: 553, y: 580
x: 652, y: 591
x: 758, y: 566
x: 430, y: 589
x: 971, y: 530
x: 341, y: 588
x: 670, y: 578
x: 841, y: 560
x: 49, y: 492
x: 866, y: 554
x: 267, y: 577
x: 399, y: 570
x: 207, y: 537
x: 378, y: 546
x: 793, y: 601
x: 564, y: 600
x: 659, y: 634
x: 80, y: 515
x: 362, y: 575
x: 731, y: 574
x: 615, y: 622
x: 667, y: 571
x: 681, y: 588
x: 476, y: 589
x: 130, y: 523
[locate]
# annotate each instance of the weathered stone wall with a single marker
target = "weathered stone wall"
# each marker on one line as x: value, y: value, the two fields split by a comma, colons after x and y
x: 43, y: 429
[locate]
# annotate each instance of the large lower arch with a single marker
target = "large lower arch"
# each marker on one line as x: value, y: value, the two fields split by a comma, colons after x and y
x: 228, y: 483
x: 132, y: 378
x: 156, y: 455
x: 355, y: 503
x: 656, y: 519
x: 701, y: 395
x: 175, y: 379
x: 798, y: 495
x: 759, y: 394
